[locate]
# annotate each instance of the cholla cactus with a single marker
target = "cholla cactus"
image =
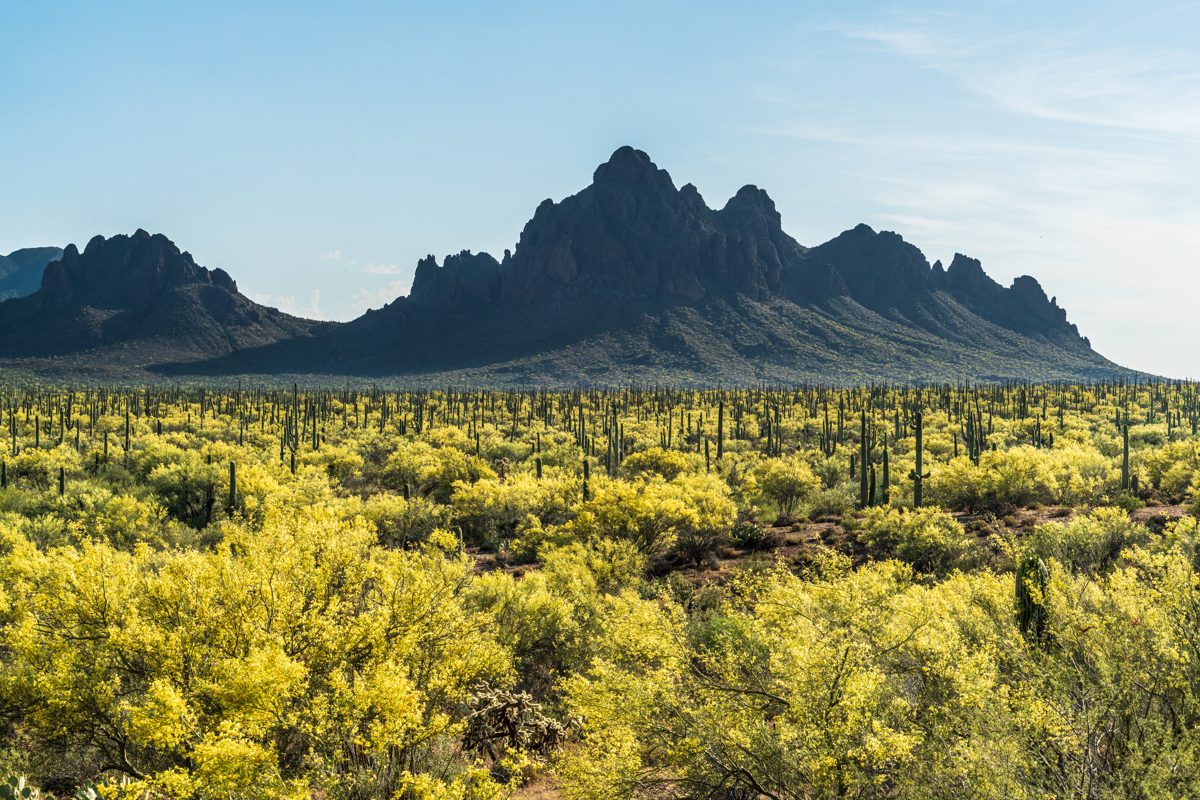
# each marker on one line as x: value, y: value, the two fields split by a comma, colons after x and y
x: 503, y: 721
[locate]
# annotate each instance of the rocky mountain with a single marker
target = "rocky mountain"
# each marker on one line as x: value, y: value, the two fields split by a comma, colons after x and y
x: 633, y: 278
x: 21, y: 270
x: 130, y: 301
x: 629, y: 279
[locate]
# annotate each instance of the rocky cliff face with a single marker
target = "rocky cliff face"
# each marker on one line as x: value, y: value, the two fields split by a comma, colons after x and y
x: 630, y: 278
x: 632, y: 239
x: 124, y: 271
x: 633, y: 277
x: 631, y: 235
x: 464, y: 283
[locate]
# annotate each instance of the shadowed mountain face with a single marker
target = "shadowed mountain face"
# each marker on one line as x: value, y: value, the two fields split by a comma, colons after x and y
x: 133, y: 300
x: 634, y: 278
x: 21, y: 270
x: 631, y: 278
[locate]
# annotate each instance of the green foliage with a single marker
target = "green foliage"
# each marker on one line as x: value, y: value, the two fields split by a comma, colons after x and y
x: 1089, y: 542
x: 927, y: 538
x: 669, y: 464
x: 408, y: 594
x: 786, y: 482
x: 400, y: 522
x: 492, y: 511
x: 654, y: 515
x: 1023, y: 476
x: 1031, y: 580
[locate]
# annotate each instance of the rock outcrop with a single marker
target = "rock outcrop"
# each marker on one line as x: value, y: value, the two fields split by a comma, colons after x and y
x: 634, y: 278
x: 136, y: 300
x: 630, y: 278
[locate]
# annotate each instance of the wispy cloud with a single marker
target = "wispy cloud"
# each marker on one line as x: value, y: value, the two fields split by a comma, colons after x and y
x: 289, y: 304
x: 384, y: 269
x: 1045, y: 77
x: 331, y: 255
x: 376, y: 297
x: 1049, y: 153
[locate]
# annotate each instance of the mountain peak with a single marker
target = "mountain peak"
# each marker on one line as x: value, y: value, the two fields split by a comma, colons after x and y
x: 752, y: 197
x: 138, y: 298
x: 627, y: 166
x: 627, y: 277
x: 124, y: 270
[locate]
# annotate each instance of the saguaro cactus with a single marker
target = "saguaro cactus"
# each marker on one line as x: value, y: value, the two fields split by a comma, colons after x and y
x: 864, y: 466
x: 1031, y: 580
x: 232, y: 486
x: 886, y: 489
x: 918, y: 477
x: 1125, y: 456
x: 720, y: 429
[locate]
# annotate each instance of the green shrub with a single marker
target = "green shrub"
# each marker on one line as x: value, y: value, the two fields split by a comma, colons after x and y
x: 927, y: 538
x: 401, y: 522
x: 836, y: 502
x: 786, y: 482
x: 751, y: 535
x: 1089, y: 542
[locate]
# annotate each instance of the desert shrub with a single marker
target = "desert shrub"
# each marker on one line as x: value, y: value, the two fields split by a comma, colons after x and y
x: 927, y: 538
x: 786, y: 482
x: 831, y: 471
x: 187, y: 488
x: 1173, y: 468
x: 419, y: 468
x: 656, y: 461
x: 1082, y: 475
x: 835, y: 502
x: 341, y: 463
x: 1016, y: 477
x: 490, y: 511
x: 654, y: 514
x: 38, y: 469
x: 550, y: 618
x: 751, y: 535
x: 400, y: 522
x: 1089, y: 542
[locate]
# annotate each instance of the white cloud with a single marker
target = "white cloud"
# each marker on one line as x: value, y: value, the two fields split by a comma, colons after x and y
x: 384, y: 269
x: 289, y: 304
x: 1070, y: 159
x: 331, y: 255
x: 374, y: 298
x: 1042, y: 76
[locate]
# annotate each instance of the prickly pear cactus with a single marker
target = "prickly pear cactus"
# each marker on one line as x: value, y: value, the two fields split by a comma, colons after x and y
x: 15, y: 788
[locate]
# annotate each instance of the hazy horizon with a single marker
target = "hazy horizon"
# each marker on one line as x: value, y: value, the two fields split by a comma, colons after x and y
x: 317, y: 157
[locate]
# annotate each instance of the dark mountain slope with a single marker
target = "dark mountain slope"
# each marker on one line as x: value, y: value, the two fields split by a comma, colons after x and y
x: 21, y: 270
x: 132, y: 300
x: 633, y: 278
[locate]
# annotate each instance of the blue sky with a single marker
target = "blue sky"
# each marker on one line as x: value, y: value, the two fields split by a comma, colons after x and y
x: 316, y: 151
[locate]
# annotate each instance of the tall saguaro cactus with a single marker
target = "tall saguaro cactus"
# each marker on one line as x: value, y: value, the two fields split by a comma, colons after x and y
x: 1125, y: 455
x: 232, y: 486
x: 864, y: 498
x: 720, y: 429
x: 918, y: 477
x: 1031, y: 580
